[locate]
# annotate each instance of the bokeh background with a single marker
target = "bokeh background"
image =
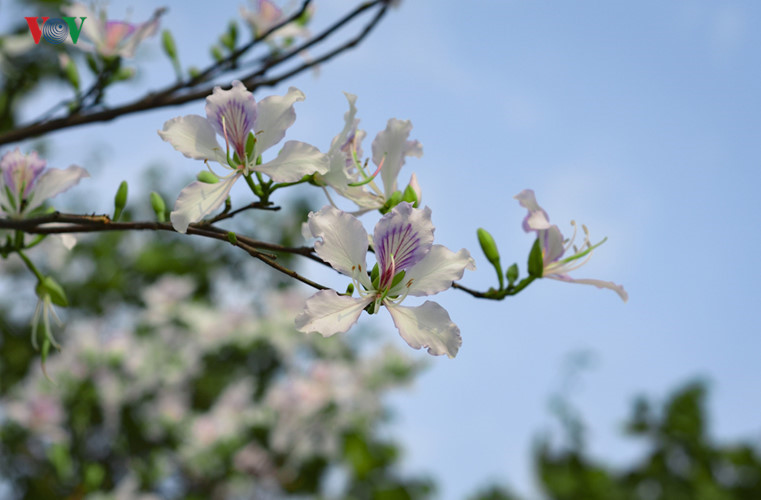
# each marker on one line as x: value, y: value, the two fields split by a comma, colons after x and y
x: 640, y: 120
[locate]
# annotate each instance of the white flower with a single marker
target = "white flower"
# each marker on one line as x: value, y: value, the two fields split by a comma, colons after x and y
x: 348, y: 177
x: 554, y: 247
x: 25, y: 184
x: 408, y: 264
x: 249, y: 128
x: 112, y: 38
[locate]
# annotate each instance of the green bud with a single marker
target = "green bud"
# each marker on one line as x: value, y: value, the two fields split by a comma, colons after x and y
x: 48, y: 286
x: 349, y: 289
x: 157, y: 202
x: 232, y: 237
x: 207, y: 177
x: 193, y: 72
x: 536, y: 260
x: 120, y: 200
x: 489, y: 247
x: 92, y: 64
x: 167, y: 43
x: 124, y: 74
x: 216, y: 53
x: 512, y: 274
x: 72, y: 74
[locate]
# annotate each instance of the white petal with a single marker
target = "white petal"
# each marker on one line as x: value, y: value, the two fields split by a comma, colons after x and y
x: 274, y: 115
x: 193, y: 136
x: 350, y: 124
x: 344, y: 240
x: 436, y: 272
x: 142, y: 31
x: 53, y: 182
x: 69, y: 241
x: 619, y: 289
x: 198, y: 199
x: 296, y: 160
x: 428, y: 326
x: 552, y: 244
x: 391, y: 146
x: 93, y: 28
x: 537, y: 218
x: 328, y: 313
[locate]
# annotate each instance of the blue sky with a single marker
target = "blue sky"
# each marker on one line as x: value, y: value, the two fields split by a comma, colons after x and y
x: 640, y: 120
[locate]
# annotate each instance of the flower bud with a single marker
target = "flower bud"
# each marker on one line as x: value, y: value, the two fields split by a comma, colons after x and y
x: 489, y: 247
x: 120, y: 200
x: 207, y: 177
x: 157, y: 202
x: 167, y: 43
x: 512, y: 274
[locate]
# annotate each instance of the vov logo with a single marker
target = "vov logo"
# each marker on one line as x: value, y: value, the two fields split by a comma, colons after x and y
x: 55, y: 30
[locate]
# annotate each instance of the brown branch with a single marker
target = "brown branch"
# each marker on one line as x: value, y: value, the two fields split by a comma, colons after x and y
x: 72, y: 223
x: 174, y: 95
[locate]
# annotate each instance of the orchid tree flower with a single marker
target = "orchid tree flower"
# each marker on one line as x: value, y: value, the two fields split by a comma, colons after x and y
x: 556, y: 261
x: 112, y: 38
x: 350, y: 178
x: 266, y: 15
x: 25, y: 183
x: 248, y: 128
x: 408, y: 263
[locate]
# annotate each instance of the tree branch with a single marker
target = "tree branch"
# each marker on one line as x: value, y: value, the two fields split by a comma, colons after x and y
x: 179, y: 93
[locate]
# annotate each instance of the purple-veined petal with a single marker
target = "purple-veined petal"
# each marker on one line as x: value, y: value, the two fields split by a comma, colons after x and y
x: 427, y: 326
x: 199, y: 199
x: 194, y: 137
x: 344, y: 240
x: 21, y: 170
x: 53, y: 182
x: 232, y: 113
x: 401, y: 239
x: 619, y: 289
x: 275, y: 115
x: 436, y: 272
x: 328, y: 313
x: 536, y: 219
x: 391, y: 147
x: 296, y: 160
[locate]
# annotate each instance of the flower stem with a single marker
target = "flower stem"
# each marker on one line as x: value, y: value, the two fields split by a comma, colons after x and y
x: 31, y: 265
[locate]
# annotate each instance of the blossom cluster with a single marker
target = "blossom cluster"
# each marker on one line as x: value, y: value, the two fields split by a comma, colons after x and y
x: 146, y: 369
